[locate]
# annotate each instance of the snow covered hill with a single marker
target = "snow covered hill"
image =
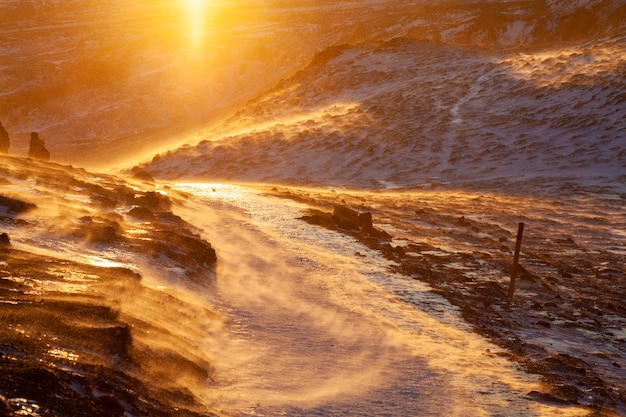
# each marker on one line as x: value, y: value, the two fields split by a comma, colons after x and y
x: 106, y: 81
x: 412, y: 113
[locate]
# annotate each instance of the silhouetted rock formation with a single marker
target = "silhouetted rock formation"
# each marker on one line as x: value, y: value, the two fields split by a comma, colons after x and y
x: 4, y: 140
x: 38, y: 148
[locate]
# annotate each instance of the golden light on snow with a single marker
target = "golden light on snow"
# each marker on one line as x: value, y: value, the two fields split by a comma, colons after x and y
x: 63, y: 354
x: 572, y: 65
x: 301, y: 120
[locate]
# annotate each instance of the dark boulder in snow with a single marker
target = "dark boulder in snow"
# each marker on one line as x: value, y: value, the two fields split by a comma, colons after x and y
x: 349, y: 219
x: 346, y: 218
x: 365, y: 221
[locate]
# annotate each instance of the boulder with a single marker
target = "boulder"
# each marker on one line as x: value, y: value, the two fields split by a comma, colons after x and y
x: 37, y: 148
x: 346, y: 218
x: 365, y: 221
x: 4, y: 140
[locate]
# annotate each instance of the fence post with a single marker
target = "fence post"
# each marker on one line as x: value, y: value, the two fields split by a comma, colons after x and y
x: 518, y: 246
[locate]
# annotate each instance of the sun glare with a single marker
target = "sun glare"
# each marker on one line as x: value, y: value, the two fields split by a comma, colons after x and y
x: 196, y: 11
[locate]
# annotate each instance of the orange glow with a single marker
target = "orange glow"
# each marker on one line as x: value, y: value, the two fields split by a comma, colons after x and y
x: 556, y: 67
x: 196, y: 12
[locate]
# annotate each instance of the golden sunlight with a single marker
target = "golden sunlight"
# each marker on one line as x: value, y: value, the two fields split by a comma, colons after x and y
x: 196, y: 11
x: 554, y: 68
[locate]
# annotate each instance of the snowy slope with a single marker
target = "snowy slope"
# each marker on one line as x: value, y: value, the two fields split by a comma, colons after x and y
x: 409, y: 113
x: 106, y: 80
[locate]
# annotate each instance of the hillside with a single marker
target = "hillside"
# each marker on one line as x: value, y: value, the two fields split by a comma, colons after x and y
x: 86, y: 327
x: 415, y: 113
x: 105, y: 82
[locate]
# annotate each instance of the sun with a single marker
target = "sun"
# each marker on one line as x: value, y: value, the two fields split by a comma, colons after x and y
x: 196, y: 17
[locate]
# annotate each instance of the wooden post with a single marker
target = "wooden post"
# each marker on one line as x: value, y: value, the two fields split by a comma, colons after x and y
x: 518, y: 246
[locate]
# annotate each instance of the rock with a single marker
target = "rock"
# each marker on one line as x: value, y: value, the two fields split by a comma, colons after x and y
x: 346, y: 218
x: 462, y: 222
x: 4, y: 140
x: 141, y: 213
x: 141, y: 174
x: 14, y: 206
x: 154, y: 200
x: 37, y: 148
x: 4, y: 240
x: 365, y: 221
x: 99, y: 230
